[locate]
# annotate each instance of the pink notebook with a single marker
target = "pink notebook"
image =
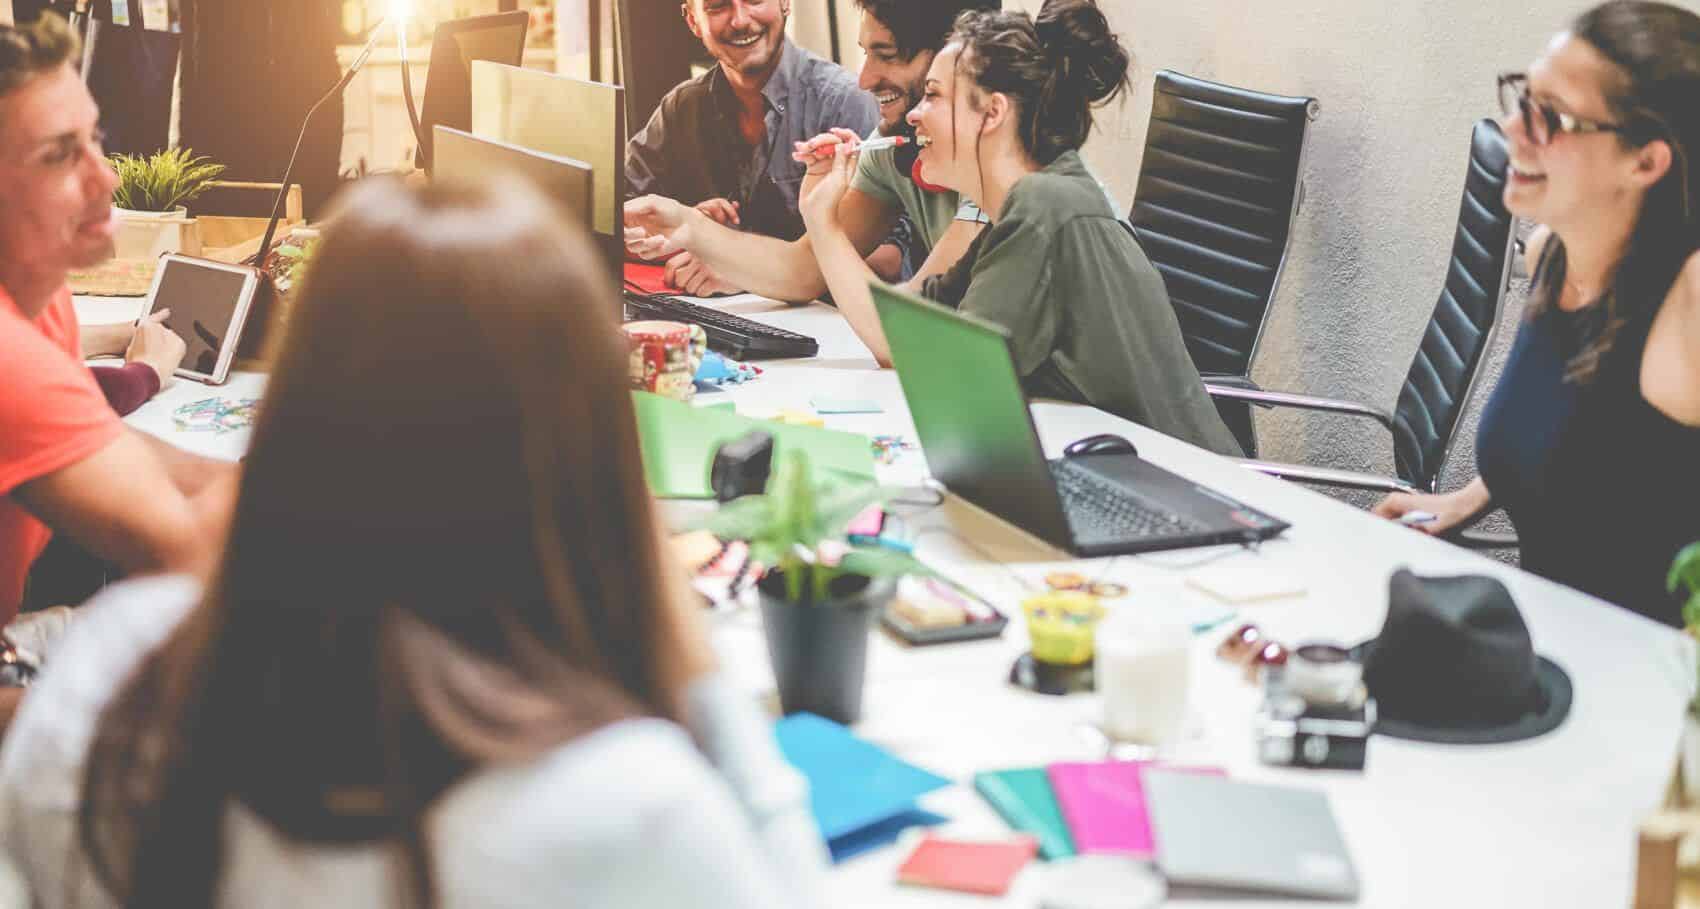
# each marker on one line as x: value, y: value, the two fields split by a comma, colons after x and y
x: 1104, y: 804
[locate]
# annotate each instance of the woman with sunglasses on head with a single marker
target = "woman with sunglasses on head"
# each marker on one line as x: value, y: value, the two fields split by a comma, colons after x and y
x: 1591, y: 440
x: 446, y: 660
x: 1007, y: 105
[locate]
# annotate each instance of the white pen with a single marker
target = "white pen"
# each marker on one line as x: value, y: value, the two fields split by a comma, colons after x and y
x: 880, y: 144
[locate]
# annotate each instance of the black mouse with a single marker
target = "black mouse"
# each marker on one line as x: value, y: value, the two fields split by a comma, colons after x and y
x: 1103, y: 443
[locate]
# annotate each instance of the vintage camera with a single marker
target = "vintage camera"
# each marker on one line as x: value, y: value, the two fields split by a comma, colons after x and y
x: 1294, y: 732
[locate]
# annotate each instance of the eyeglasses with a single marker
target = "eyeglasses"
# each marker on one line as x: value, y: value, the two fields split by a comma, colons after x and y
x: 1540, y: 122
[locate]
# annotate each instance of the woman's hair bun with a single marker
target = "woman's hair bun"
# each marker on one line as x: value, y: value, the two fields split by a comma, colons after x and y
x: 1076, y: 36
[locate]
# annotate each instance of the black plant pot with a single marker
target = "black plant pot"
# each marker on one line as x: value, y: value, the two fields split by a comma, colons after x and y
x: 820, y: 651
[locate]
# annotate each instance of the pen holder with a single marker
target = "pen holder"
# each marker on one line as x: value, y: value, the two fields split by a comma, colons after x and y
x: 1061, y: 627
x: 665, y: 357
x: 820, y: 650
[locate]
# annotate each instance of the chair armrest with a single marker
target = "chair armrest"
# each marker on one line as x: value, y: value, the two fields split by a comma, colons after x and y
x: 1301, y: 402
x: 1327, y: 476
x: 1233, y: 383
x: 1481, y: 539
x: 1225, y: 380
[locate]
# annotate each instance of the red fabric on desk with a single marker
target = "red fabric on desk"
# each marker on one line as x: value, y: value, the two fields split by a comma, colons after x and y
x: 649, y: 279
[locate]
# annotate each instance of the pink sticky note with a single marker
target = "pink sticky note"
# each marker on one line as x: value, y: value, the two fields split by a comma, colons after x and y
x: 986, y: 868
x: 1104, y: 804
x: 867, y: 524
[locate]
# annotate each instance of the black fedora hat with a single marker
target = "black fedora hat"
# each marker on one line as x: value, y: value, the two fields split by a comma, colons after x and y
x: 1454, y: 664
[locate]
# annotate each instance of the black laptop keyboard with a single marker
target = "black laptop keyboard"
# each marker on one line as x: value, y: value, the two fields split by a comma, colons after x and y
x: 728, y: 334
x: 1099, y: 509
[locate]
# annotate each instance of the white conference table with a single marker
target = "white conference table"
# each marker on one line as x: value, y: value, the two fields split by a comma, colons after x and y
x: 1548, y: 822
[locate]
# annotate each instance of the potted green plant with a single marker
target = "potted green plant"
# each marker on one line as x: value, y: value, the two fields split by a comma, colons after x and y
x: 163, y: 183
x: 1683, y: 793
x: 1685, y: 573
x: 1685, y: 790
x: 152, y: 200
x: 821, y: 593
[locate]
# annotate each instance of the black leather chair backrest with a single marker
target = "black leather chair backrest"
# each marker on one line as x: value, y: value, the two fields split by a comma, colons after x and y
x: 1443, y: 374
x: 1218, y: 189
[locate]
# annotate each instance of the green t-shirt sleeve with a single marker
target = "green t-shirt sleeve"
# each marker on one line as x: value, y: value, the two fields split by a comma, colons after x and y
x: 876, y: 176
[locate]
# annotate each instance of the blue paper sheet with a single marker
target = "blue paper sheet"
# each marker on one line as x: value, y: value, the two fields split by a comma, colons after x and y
x: 862, y: 796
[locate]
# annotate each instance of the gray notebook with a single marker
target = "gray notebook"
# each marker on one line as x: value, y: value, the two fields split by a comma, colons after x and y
x: 1215, y: 832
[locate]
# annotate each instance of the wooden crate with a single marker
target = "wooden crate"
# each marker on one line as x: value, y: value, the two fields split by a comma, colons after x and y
x: 229, y: 239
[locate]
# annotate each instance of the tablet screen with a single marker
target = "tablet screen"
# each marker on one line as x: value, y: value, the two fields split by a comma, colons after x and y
x: 202, y: 301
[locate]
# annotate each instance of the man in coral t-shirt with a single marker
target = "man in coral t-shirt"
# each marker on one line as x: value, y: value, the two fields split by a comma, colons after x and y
x: 67, y: 464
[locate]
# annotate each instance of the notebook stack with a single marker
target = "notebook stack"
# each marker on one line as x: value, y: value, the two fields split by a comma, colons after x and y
x: 1195, y: 825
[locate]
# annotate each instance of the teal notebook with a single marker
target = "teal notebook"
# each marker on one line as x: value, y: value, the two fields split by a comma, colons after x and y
x: 1025, y: 800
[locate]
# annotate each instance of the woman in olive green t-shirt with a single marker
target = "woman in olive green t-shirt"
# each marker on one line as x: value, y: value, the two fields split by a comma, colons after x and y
x: 1008, y: 104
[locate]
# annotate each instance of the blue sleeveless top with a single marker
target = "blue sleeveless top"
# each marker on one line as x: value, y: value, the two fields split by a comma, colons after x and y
x: 1603, y: 488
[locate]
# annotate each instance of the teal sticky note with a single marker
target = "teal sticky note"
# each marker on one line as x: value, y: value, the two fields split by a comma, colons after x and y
x: 840, y: 406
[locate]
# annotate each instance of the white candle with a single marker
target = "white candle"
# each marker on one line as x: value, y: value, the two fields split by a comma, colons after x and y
x: 1144, y: 675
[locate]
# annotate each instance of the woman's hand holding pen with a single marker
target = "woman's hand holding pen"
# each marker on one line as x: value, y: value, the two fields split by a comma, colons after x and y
x: 817, y: 155
x: 821, y: 194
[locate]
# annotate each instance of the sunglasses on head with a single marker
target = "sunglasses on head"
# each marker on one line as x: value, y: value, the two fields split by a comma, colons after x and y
x: 1541, y: 123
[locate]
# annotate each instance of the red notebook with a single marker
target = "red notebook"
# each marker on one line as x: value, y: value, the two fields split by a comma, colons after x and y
x: 971, y: 867
x: 1104, y: 804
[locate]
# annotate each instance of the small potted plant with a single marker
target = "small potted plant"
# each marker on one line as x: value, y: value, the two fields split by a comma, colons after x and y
x: 1685, y: 575
x: 152, y: 200
x: 1683, y: 795
x: 821, y: 594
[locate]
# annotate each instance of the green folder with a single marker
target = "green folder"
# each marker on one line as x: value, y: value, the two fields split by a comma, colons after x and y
x: 1025, y: 800
x: 679, y: 440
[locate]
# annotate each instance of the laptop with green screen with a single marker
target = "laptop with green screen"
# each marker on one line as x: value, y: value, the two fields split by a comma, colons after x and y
x: 958, y: 374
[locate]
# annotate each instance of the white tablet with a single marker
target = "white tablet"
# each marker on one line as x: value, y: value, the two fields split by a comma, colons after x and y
x: 209, y: 304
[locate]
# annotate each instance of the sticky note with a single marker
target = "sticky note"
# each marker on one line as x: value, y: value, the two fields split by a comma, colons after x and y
x: 985, y: 868
x: 844, y: 405
x: 798, y: 418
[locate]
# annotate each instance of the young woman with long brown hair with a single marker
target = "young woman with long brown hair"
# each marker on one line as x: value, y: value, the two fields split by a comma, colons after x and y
x: 1591, y: 439
x: 445, y: 661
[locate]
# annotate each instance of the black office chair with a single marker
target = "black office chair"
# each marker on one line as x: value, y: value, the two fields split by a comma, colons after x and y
x: 1424, y: 423
x: 1219, y: 189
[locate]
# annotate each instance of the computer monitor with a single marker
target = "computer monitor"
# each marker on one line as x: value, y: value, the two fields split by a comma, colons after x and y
x: 563, y: 116
x: 463, y: 156
x: 652, y: 58
x: 499, y: 38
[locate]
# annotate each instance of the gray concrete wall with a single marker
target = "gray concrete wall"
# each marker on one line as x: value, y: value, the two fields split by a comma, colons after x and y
x: 1400, y: 86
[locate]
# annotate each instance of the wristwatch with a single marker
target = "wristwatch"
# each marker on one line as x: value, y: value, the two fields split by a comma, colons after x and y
x: 17, y: 669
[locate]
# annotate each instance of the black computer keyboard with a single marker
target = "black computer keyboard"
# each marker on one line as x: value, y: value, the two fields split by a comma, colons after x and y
x: 1099, y: 509
x: 730, y: 335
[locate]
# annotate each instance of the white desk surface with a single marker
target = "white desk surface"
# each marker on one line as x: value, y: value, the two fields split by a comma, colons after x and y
x: 1548, y: 822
